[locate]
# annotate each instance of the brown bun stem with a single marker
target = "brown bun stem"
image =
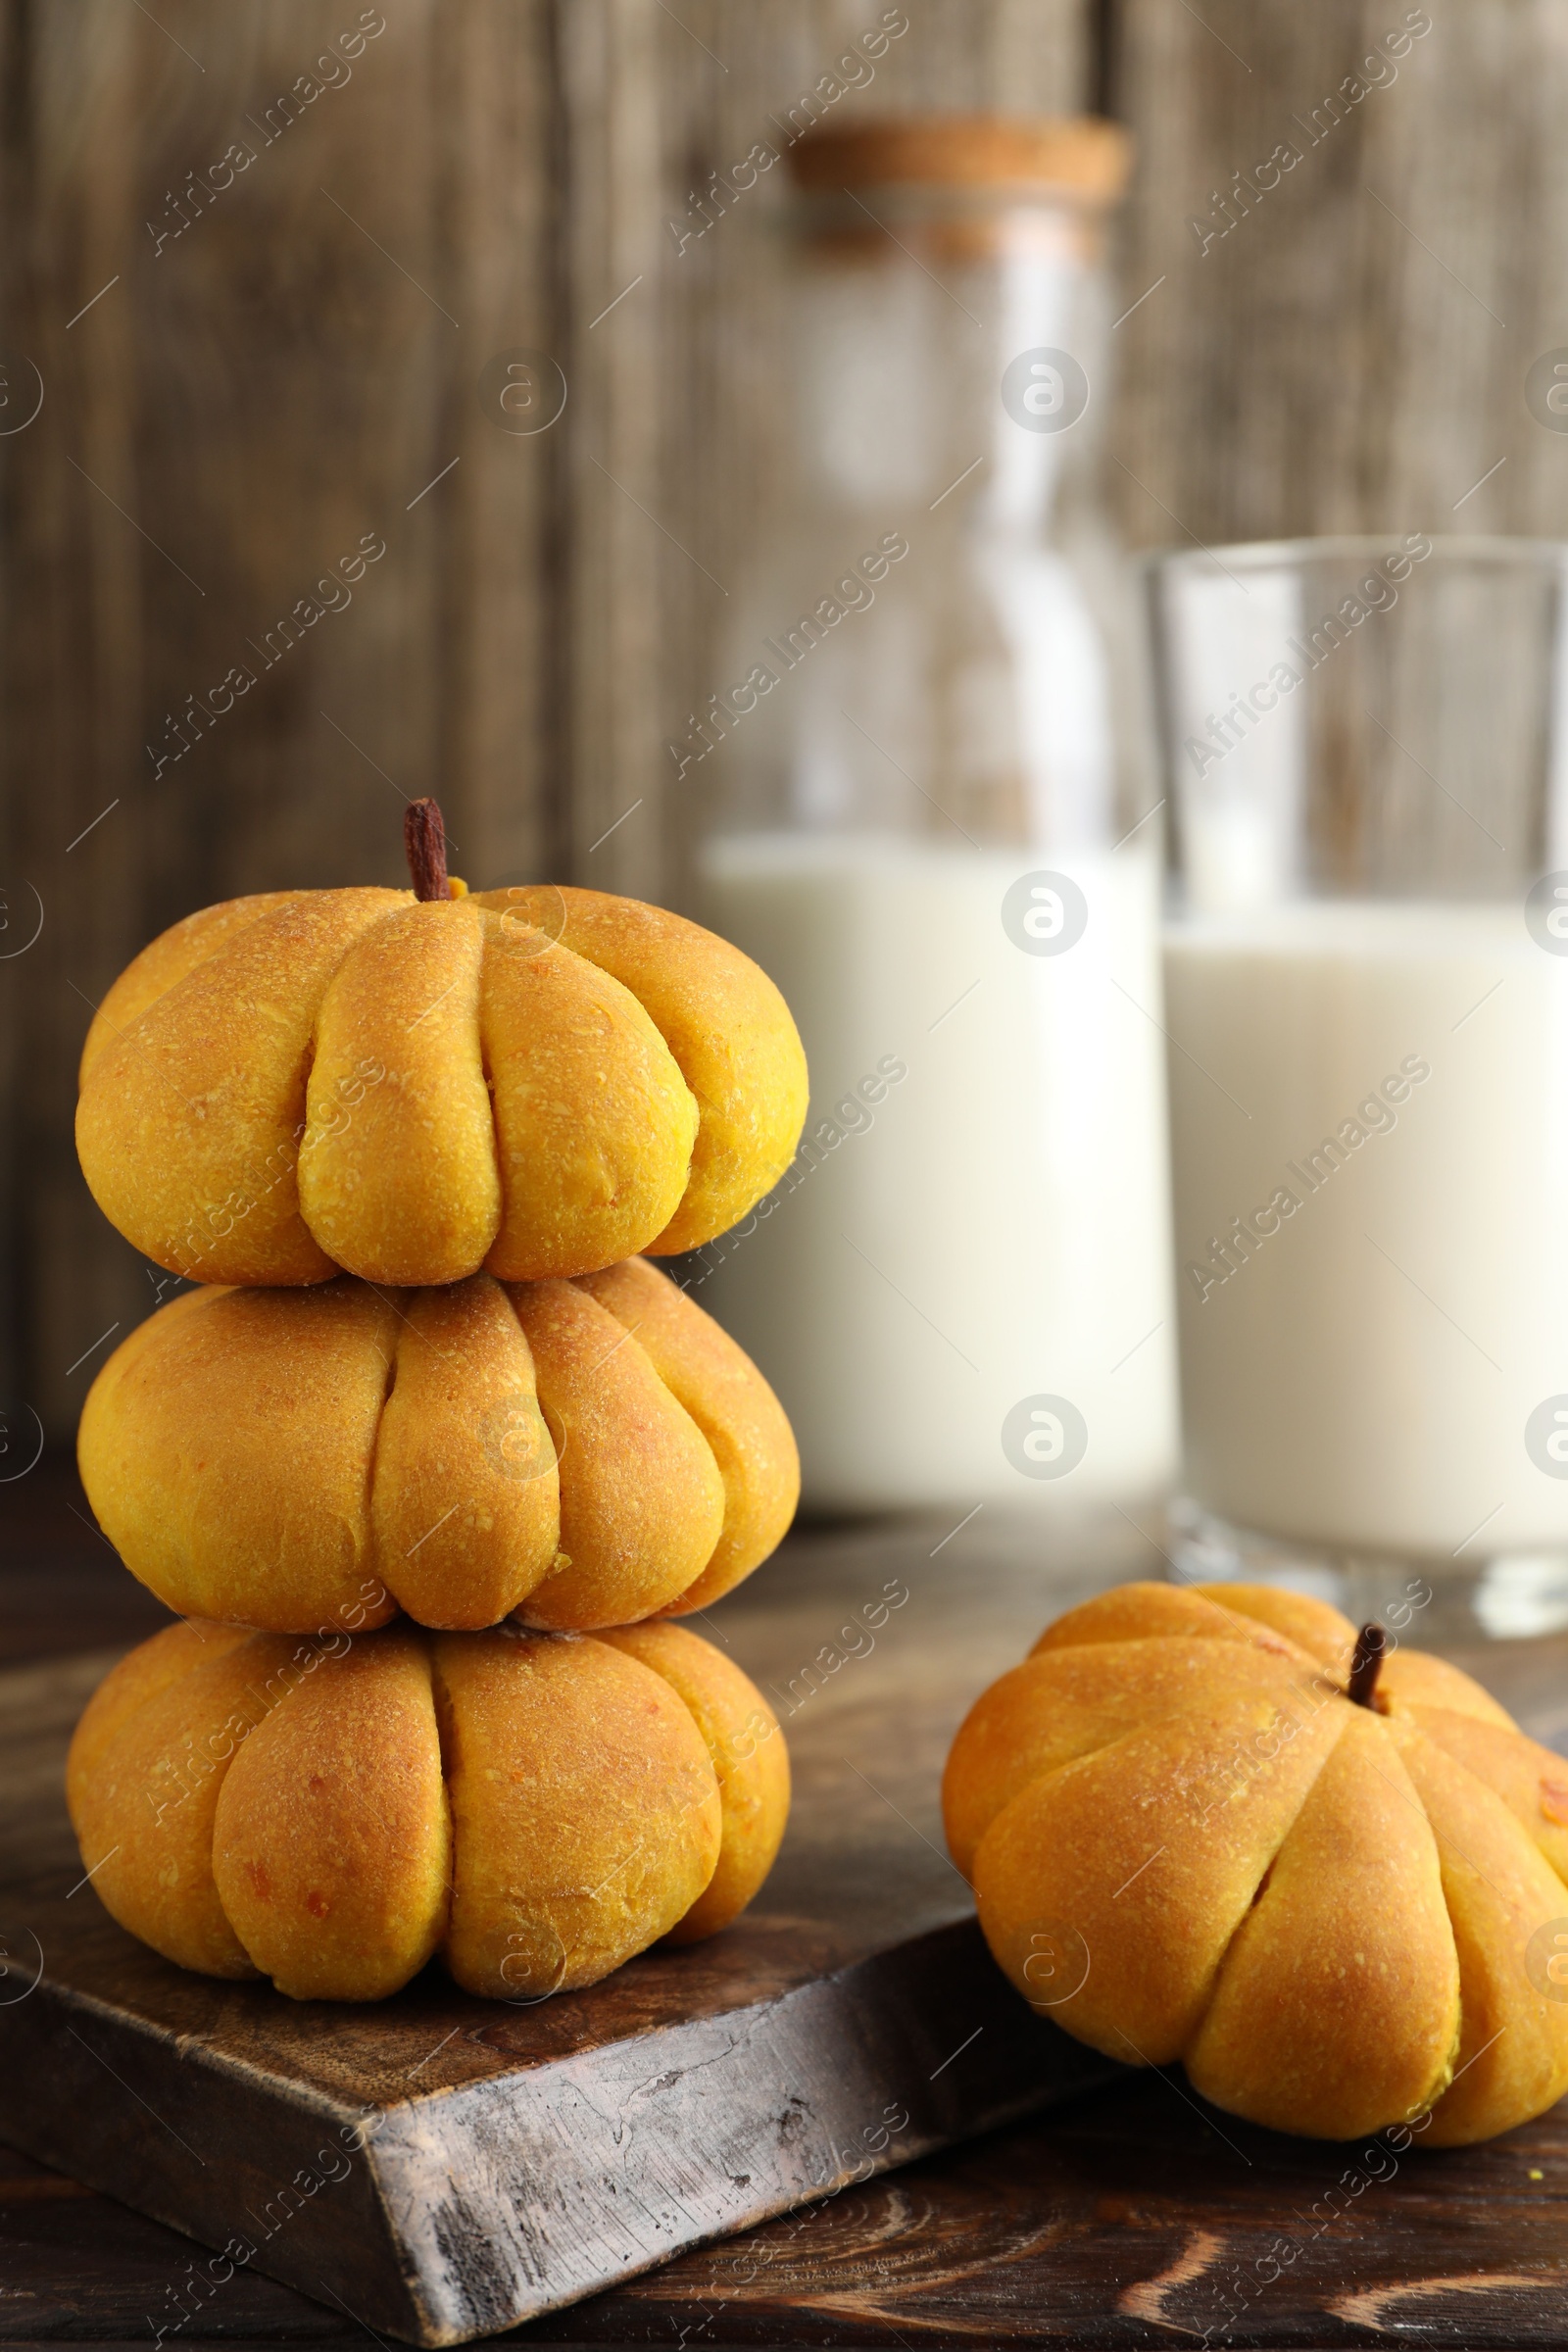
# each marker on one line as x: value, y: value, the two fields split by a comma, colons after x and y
x: 424, y: 841
x: 1367, y: 1660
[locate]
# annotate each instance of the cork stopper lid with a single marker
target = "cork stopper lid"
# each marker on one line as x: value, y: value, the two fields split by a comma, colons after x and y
x: 1080, y: 159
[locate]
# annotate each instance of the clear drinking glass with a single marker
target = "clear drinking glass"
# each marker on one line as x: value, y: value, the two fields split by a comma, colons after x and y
x: 1366, y: 985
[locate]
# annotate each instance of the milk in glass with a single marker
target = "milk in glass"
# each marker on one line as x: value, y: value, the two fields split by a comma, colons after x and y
x: 984, y: 1218
x: 1369, y: 1109
x: 1366, y: 992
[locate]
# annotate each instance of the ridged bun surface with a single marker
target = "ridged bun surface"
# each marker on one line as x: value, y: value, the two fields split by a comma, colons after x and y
x: 536, y: 1081
x: 585, y: 1453
x: 533, y: 1808
x: 1187, y: 1842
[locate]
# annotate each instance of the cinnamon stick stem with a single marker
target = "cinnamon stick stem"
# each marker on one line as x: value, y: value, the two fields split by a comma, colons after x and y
x: 1365, y: 1663
x: 424, y: 842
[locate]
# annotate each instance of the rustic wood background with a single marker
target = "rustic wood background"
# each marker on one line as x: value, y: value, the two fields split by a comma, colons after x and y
x: 304, y: 364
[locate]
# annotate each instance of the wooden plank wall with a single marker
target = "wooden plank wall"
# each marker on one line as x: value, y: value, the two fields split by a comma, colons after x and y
x: 1352, y: 354
x: 282, y: 365
x: 242, y: 627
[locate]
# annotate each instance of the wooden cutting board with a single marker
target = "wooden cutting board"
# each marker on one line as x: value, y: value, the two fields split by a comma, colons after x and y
x: 440, y: 2167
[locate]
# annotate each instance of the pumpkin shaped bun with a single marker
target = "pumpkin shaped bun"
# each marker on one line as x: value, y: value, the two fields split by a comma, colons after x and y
x: 1211, y: 1823
x: 535, y: 1809
x: 537, y: 1081
x: 584, y: 1453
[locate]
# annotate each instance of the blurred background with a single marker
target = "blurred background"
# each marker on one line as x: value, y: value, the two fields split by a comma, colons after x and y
x: 227, y: 382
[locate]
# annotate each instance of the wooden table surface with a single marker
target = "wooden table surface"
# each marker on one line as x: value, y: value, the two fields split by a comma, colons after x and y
x: 1133, y: 2216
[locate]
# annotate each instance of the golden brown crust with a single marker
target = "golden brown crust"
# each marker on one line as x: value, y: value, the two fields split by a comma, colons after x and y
x: 1148, y: 1612
x: 227, y: 1452
x: 143, y: 1777
x: 594, y: 1122
x: 749, y: 1759
x: 1511, y: 2057
x: 535, y: 1807
x: 1311, y: 1625
x: 585, y: 1811
x: 465, y: 1493
x: 299, y: 1081
x: 1532, y: 1780
x: 164, y: 962
x: 305, y: 1460
x: 1413, y: 1678
x: 138, y: 1679
x: 1065, y: 1850
x: 1185, y: 1841
x: 1063, y: 1704
x: 642, y: 1503
x: 1338, y: 2001
x: 331, y: 1845
x: 745, y: 1425
x: 189, y: 1124
x: 725, y: 1022
x: 397, y: 1172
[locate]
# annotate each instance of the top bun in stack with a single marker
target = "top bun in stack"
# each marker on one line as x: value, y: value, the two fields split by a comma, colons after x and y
x: 414, y: 1086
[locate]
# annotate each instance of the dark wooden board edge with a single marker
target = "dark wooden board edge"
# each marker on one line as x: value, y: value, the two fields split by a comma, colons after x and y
x: 428, y: 2219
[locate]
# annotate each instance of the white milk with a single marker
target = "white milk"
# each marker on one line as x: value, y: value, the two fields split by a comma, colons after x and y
x: 1363, y: 1380
x: 993, y: 1225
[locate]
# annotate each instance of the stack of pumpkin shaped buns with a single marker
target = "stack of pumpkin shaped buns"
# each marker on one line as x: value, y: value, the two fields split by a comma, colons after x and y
x: 432, y: 1457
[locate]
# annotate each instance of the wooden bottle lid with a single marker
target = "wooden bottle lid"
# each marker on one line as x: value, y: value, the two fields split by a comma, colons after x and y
x: 1077, y: 157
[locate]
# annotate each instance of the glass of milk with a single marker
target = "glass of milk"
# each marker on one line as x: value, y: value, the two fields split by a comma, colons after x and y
x: 932, y: 822
x: 1366, y: 1000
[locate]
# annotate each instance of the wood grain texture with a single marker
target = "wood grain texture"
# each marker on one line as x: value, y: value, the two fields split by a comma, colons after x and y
x: 615, y: 545
x: 680, y: 406
x: 1351, y: 353
x: 1134, y: 2215
x: 445, y: 2166
x: 1120, y: 2218
x: 276, y: 367
x: 282, y: 359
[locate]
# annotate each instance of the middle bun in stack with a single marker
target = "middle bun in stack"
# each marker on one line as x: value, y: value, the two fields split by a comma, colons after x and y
x: 580, y: 1454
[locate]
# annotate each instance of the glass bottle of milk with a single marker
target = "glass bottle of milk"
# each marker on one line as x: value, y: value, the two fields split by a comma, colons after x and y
x: 931, y: 823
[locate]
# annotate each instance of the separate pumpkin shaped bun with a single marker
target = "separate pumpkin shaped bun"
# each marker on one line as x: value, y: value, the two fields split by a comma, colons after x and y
x: 411, y: 1087
x: 584, y: 1453
x: 534, y: 1808
x: 1210, y: 1824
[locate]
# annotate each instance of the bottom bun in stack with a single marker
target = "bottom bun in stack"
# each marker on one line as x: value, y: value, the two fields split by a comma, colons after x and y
x: 533, y: 1808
